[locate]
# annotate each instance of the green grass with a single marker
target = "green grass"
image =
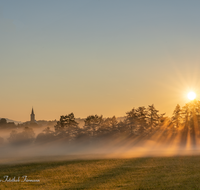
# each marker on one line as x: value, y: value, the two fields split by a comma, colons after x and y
x: 137, y: 173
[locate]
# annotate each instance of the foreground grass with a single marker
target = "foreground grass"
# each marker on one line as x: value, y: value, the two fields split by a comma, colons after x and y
x: 137, y: 173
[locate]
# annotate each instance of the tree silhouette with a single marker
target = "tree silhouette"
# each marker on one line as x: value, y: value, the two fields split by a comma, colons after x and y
x: 3, y: 121
x: 152, y: 117
x: 66, y: 122
x: 92, y: 123
x: 108, y: 125
x: 176, y: 116
x: 132, y: 120
x: 141, y: 119
x: 66, y: 128
x: 191, y: 115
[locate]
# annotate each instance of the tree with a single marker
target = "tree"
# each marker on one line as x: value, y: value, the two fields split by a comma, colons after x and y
x: 152, y: 117
x: 92, y: 123
x: 191, y: 112
x: 121, y: 126
x: 141, y: 118
x: 46, y: 136
x: 132, y: 119
x: 191, y: 115
x: 108, y: 125
x: 66, y: 122
x: 176, y: 117
x: 3, y: 121
x: 186, y: 119
x: 186, y: 114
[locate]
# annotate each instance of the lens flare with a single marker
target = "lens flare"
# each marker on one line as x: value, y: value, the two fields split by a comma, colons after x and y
x: 191, y: 95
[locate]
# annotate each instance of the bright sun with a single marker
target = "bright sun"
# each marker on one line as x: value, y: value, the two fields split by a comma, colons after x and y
x: 191, y: 95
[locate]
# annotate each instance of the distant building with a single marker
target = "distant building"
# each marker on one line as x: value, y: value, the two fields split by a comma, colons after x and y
x: 32, y: 121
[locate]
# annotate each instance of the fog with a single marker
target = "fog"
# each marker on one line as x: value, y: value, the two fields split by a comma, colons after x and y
x: 162, y: 142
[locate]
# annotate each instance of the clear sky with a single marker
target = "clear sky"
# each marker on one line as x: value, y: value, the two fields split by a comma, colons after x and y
x: 96, y: 57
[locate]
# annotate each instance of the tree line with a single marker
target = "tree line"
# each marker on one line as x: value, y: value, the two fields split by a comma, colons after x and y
x: 138, y: 122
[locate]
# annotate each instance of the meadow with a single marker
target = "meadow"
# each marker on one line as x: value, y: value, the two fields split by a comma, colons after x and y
x: 180, y: 172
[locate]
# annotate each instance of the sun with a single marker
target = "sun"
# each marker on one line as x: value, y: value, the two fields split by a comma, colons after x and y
x: 191, y: 95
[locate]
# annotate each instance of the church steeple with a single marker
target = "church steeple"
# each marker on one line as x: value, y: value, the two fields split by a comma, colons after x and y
x: 32, y: 111
x: 32, y: 116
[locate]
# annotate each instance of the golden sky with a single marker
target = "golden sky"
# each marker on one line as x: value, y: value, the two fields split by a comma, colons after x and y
x: 96, y: 57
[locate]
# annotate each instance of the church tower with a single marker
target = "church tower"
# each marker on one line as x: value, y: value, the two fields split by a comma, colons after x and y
x: 32, y: 116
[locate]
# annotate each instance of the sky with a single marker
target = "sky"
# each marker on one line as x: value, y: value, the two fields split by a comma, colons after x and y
x: 96, y: 57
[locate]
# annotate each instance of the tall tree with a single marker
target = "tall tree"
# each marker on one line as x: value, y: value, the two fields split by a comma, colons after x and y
x: 141, y: 118
x: 109, y: 124
x: 132, y: 120
x: 153, y: 116
x: 92, y: 123
x: 67, y: 124
x: 186, y: 114
x: 191, y: 112
x: 176, y: 117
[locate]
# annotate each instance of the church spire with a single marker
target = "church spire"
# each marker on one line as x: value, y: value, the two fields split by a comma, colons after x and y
x: 32, y: 111
x: 32, y: 116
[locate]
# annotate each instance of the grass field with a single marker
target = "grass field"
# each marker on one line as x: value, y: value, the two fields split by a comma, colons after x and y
x: 137, y: 173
